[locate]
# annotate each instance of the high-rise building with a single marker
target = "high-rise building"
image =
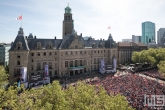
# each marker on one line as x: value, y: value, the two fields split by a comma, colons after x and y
x: 160, y: 34
x: 136, y: 39
x: 148, y: 32
x: 4, y: 54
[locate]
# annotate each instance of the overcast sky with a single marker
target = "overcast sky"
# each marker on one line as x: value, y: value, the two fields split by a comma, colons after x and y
x: 43, y: 18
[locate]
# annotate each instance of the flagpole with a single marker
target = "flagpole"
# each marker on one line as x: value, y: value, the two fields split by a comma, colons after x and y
x: 21, y: 20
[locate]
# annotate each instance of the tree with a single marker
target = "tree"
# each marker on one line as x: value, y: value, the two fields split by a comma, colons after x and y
x: 161, y: 67
x: 90, y: 97
x: 52, y: 97
x: 3, y: 77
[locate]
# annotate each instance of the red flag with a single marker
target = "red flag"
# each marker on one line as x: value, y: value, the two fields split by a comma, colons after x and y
x: 109, y: 27
x: 19, y: 18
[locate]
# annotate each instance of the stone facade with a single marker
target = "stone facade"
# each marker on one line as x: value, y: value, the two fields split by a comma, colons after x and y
x: 68, y: 56
x: 125, y: 50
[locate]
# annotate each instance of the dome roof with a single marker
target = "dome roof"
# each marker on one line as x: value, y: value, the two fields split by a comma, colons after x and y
x: 68, y: 9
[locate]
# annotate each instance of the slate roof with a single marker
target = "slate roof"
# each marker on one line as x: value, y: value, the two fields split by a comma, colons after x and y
x: 20, y: 38
x: 30, y: 42
x: 129, y: 44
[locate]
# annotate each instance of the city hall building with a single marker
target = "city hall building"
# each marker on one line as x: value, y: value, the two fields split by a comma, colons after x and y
x: 68, y: 56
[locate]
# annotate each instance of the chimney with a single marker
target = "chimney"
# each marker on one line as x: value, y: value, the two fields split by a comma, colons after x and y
x: 55, y: 37
x: 34, y: 37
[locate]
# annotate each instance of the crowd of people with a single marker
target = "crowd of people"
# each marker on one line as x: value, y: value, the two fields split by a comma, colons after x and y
x: 132, y: 86
x: 154, y: 73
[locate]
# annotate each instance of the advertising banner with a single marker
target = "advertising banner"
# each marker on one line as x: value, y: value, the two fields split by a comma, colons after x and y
x: 102, y: 66
x: 114, y: 62
x: 23, y: 74
x: 46, y: 75
x: 46, y: 71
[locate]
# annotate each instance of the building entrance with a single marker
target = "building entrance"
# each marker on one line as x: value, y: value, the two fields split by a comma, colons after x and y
x: 76, y: 72
x: 71, y: 73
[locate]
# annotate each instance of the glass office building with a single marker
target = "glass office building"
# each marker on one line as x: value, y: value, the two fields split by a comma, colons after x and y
x: 4, y: 54
x: 148, y: 32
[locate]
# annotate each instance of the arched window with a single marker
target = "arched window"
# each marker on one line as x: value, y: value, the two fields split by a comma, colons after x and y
x: 19, y: 46
x: 50, y: 45
x: 39, y: 45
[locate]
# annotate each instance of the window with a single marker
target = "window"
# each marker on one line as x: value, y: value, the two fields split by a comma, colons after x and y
x: 85, y: 62
x: 71, y: 53
x: 66, y: 64
x: 108, y: 51
x: 98, y: 60
x: 55, y: 53
x: 76, y: 46
x: 55, y: 72
x: 76, y: 63
x: 71, y: 63
x: 32, y: 60
x: 76, y: 52
x: 18, y: 63
x: 55, y: 65
x: 94, y: 67
x: 80, y: 52
x: 50, y: 65
x: 81, y: 63
x: 44, y: 53
x: 50, y: 73
x: 84, y: 52
x: 38, y: 45
x: 32, y: 74
x: 44, y: 63
x: 50, y: 53
x: 32, y: 54
x: 32, y: 67
x: 19, y: 46
x: 94, y: 60
x: 55, y: 59
x: 38, y: 54
x: 38, y: 66
x: 104, y: 51
x: 18, y: 56
x: 66, y: 53
x: 98, y: 51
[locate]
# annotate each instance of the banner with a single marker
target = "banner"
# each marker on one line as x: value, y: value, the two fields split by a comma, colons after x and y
x: 46, y: 71
x: 23, y: 74
x: 102, y: 66
x: 114, y: 62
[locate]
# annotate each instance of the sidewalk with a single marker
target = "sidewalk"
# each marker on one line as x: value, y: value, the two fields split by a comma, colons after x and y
x: 158, y: 80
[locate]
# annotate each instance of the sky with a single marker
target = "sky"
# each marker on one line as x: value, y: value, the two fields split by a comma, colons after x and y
x: 43, y: 18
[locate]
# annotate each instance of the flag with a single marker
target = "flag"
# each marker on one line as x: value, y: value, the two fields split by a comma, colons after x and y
x: 19, y: 18
x: 109, y: 27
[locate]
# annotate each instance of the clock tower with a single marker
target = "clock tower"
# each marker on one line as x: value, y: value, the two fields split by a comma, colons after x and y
x: 68, y: 25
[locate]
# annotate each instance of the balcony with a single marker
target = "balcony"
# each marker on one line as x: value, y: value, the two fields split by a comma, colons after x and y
x: 76, y: 67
